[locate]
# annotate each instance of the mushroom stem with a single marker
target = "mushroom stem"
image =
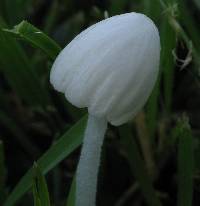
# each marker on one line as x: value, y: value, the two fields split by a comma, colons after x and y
x: 87, y: 171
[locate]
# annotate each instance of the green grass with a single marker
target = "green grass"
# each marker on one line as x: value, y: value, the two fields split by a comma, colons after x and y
x: 61, y: 149
x: 40, y: 188
x: 185, y: 164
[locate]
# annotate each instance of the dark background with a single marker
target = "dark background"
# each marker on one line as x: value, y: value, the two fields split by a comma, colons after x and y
x: 28, y: 129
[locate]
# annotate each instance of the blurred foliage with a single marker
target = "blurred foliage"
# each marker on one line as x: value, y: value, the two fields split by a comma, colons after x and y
x: 153, y: 160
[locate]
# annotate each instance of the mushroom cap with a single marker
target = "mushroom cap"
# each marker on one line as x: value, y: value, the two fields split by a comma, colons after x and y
x: 111, y: 67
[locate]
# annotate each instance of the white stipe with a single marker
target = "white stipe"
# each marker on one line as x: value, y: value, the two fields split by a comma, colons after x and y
x: 87, y: 172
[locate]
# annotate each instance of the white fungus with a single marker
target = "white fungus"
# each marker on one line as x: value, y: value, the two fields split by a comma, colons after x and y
x: 111, y: 69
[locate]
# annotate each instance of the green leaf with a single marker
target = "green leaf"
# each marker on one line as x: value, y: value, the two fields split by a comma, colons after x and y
x: 137, y: 165
x: 185, y: 164
x: 60, y: 150
x: 72, y: 193
x: 40, y: 189
x: 37, y: 38
x: 16, y: 67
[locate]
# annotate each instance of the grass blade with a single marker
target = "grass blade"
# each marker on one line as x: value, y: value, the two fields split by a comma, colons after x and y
x: 40, y: 189
x: 36, y: 37
x: 19, y: 73
x: 185, y: 164
x: 167, y: 34
x: 71, y: 197
x: 36, y: 197
x: 60, y: 150
x: 181, y: 33
x: 137, y: 165
x: 189, y: 23
x: 167, y: 64
x: 152, y: 9
x: 152, y: 109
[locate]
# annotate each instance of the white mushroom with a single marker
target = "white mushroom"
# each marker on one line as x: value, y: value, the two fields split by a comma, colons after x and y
x: 111, y: 69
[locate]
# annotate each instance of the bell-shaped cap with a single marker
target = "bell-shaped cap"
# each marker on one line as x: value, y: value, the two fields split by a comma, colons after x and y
x: 111, y: 67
